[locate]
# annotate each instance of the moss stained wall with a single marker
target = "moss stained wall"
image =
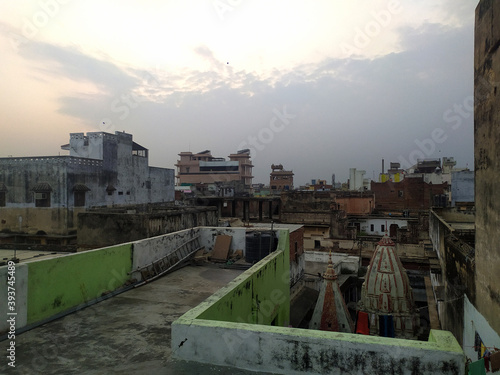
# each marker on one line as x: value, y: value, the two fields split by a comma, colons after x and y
x: 56, y: 285
x: 261, y: 295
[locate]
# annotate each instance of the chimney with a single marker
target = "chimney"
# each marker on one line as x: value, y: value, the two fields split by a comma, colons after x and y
x: 382, y: 166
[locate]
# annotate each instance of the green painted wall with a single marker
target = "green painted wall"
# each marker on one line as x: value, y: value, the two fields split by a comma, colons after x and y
x: 58, y: 284
x: 260, y: 295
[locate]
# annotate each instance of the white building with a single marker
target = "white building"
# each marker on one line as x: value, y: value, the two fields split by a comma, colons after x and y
x: 45, y: 194
x: 357, y: 182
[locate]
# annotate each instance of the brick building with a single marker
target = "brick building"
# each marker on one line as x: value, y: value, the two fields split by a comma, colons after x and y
x: 410, y: 194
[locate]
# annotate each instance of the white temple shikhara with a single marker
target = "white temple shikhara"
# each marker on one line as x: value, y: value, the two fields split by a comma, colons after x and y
x: 386, y: 295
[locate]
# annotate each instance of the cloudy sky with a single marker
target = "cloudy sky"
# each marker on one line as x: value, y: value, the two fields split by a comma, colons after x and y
x: 318, y: 86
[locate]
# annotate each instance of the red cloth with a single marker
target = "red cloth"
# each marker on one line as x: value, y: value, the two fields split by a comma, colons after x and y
x: 362, y: 323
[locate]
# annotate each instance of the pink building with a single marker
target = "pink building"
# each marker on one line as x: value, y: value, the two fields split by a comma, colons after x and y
x: 203, y: 168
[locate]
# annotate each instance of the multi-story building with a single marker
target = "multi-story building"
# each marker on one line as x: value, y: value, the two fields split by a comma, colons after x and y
x: 395, y: 173
x: 204, y: 169
x: 357, y: 181
x: 410, y: 194
x: 280, y: 179
x: 45, y: 194
x: 462, y: 188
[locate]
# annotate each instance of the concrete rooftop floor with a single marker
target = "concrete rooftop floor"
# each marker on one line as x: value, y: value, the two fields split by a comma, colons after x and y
x: 126, y: 334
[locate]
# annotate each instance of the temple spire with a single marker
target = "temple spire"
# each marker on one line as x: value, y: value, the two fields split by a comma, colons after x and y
x: 331, y: 313
x: 330, y: 271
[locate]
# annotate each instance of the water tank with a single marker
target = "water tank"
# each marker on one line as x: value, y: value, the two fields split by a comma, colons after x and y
x: 259, y: 245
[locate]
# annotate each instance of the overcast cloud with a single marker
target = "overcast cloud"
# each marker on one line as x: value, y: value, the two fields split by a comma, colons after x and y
x: 316, y: 116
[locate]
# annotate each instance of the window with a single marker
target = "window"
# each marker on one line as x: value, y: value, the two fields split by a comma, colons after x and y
x: 110, y: 189
x: 400, y: 193
x: 3, y: 193
x: 372, y: 227
x: 317, y: 244
x: 79, y: 191
x: 42, y: 199
x: 41, y: 192
x: 79, y: 197
x: 382, y: 228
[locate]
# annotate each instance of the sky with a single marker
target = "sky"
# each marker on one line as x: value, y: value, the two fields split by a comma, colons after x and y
x: 317, y: 86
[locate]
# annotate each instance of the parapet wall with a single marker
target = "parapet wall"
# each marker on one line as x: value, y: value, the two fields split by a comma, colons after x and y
x: 245, y: 325
x: 48, y: 288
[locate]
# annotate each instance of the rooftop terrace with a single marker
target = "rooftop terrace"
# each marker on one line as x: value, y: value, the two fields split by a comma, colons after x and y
x: 245, y: 325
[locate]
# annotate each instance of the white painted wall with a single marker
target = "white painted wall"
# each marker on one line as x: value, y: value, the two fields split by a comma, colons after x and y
x: 377, y: 225
x: 297, y: 268
x: 348, y: 263
x: 209, y: 234
x: 292, y: 351
x: 149, y: 250
x: 356, y: 179
x: 475, y: 322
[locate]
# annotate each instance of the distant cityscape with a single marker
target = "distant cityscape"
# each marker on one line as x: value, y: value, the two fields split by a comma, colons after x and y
x: 198, y: 263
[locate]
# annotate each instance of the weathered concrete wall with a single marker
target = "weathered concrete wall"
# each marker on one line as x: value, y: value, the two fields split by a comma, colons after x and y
x: 306, y: 201
x: 297, y: 351
x: 462, y: 187
x: 31, y: 220
x: 261, y: 295
x: 147, y: 251
x: 57, y: 284
x: 487, y: 162
x: 209, y: 235
x: 102, y: 228
x: 457, y: 277
x: 342, y: 263
x: 357, y: 204
x: 219, y: 336
x: 20, y: 288
x: 96, y: 229
x: 48, y: 287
